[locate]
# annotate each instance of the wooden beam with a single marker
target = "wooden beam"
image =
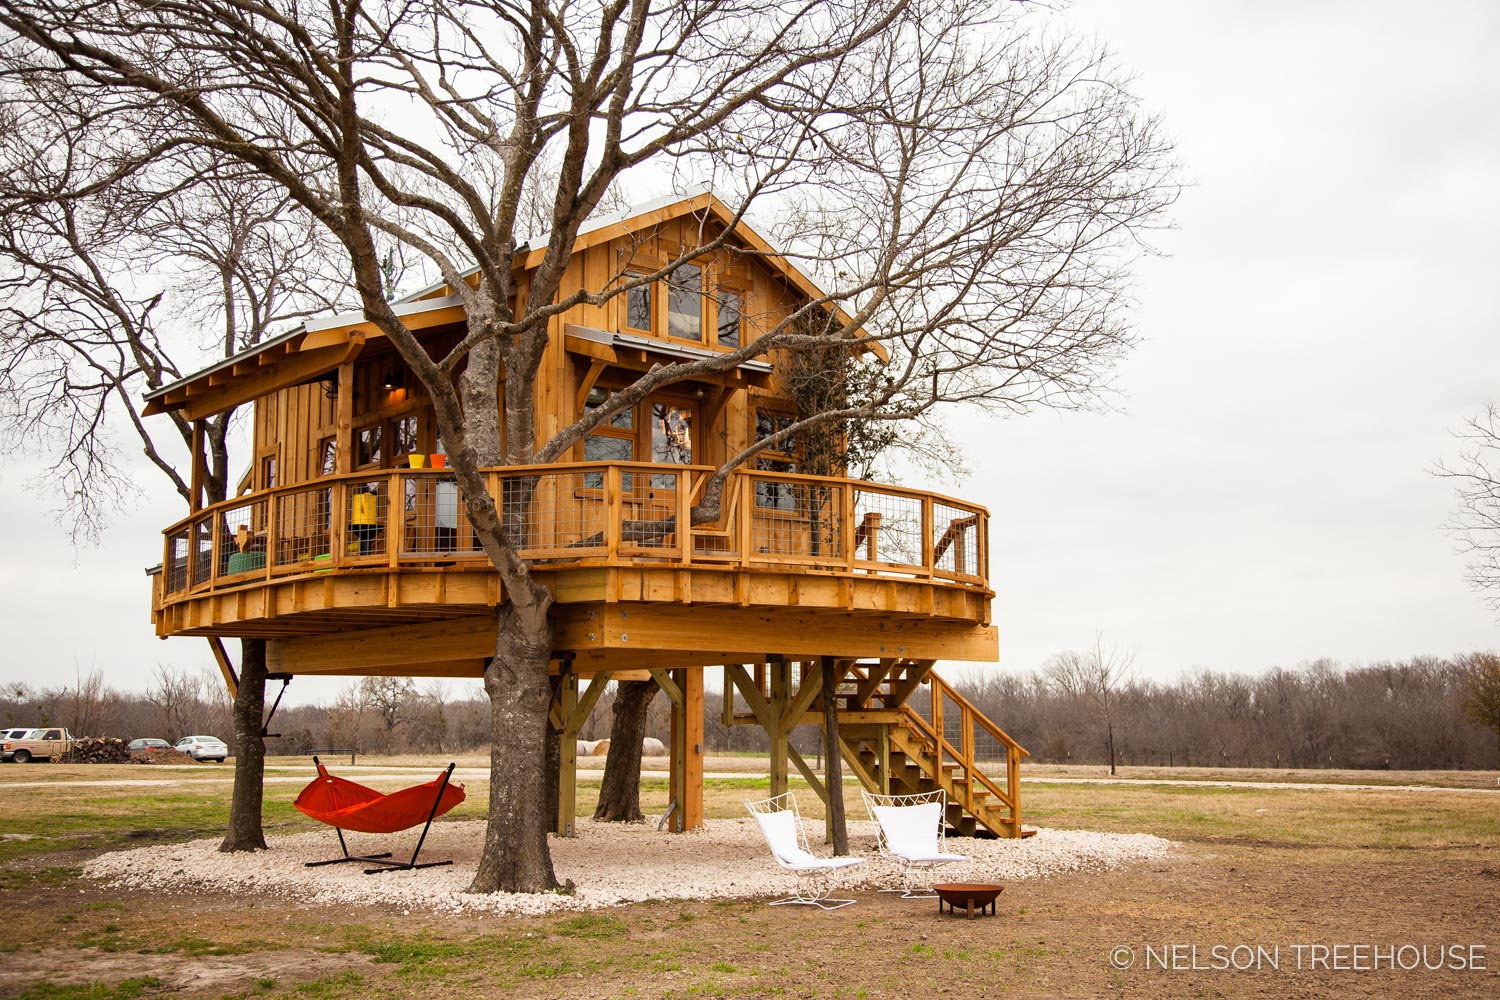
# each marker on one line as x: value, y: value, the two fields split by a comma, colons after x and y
x: 752, y: 694
x: 596, y: 368
x: 221, y: 657
x: 273, y: 376
x: 667, y: 681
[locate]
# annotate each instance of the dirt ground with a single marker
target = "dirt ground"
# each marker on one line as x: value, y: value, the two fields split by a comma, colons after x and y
x: 1054, y: 937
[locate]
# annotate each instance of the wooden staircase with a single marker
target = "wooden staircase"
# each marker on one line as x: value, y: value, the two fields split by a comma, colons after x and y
x: 902, y: 729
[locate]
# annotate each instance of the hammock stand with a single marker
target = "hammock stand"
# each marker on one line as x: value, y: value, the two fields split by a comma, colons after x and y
x: 346, y: 805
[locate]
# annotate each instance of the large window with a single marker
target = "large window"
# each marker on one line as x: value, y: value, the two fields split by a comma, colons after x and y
x: 671, y: 440
x: 685, y: 303
x: 612, y: 441
x: 775, y: 458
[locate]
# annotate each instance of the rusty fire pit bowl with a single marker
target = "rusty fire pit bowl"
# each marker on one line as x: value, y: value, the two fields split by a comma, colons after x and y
x: 969, y: 896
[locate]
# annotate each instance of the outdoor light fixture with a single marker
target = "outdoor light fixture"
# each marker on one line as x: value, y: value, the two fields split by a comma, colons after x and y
x: 393, y: 379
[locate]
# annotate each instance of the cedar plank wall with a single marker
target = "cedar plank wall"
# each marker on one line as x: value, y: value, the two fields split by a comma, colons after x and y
x: 291, y: 423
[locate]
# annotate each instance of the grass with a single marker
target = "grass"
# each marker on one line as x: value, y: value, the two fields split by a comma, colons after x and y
x: 128, y: 989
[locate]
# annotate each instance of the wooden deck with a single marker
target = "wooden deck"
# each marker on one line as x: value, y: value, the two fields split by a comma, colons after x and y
x: 795, y: 564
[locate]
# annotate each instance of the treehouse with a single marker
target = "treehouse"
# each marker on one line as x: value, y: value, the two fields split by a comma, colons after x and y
x: 348, y: 548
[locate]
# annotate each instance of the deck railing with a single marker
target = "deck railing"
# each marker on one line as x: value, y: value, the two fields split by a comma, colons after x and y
x: 596, y: 513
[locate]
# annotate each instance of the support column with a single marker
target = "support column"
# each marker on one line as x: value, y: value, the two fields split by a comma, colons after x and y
x: 567, y: 765
x: 686, y: 775
x: 781, y: 694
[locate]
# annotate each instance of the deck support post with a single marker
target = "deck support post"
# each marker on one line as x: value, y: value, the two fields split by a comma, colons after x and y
x: 883, y: 758
x: 781, y: 684
x: 686, y: 774
x: 567, y: 765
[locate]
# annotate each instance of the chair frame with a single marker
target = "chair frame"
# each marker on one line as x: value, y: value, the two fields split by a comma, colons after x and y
x: 910, y: 887
x: 815, y: 883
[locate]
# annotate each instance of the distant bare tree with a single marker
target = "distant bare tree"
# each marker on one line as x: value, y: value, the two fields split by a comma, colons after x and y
x: 1482, y: 697
x: 391, y: 700
x: 1095, y: 677
x: 176, y: 696
x: 1476, y: 522
x: 92, y: 706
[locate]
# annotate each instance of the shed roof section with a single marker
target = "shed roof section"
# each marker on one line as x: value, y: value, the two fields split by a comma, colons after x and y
x: 318, y: 346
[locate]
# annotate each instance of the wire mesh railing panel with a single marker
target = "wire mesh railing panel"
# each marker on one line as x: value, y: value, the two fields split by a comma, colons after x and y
x: 555, y: 514
x: 888, y: 527
x: 955, y: 540
x: 435, y: 521
x: 242, y: 538
x: 176, y: 566
x: 203, y: 549
x: 796, y: 520
x: 302, y: 527
x: 367, y: 517
x: 648, y: 516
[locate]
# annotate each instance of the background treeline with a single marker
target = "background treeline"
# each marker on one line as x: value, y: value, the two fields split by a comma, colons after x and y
x: 1407, y: 714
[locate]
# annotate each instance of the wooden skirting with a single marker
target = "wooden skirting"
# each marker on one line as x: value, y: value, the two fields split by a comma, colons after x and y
x: 634, y: 636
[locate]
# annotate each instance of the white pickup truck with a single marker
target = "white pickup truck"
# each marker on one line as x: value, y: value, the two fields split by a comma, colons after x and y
x: 38, y: 744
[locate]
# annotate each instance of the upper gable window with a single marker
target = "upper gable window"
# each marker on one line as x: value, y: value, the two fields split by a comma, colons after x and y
x: 731, y: 308
x: 685, y: 303
x: 638, y: 307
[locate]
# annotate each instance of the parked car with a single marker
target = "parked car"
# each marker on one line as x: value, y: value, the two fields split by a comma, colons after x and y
x: 37, y: 744
x: 12, y: 734
x: 148, y: 744
x: 203, y: 748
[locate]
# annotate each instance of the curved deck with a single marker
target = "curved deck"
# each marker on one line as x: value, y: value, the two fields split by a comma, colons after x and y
x: 851, y: 562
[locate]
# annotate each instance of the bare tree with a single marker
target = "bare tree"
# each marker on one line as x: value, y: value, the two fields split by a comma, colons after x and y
x: 1482, y: 697
x: 1476, y: 522
x: 121, y: 266
x: 391, y: 699
x: 968, y: 190
x: 1096, y: 678
x: 175, y: 695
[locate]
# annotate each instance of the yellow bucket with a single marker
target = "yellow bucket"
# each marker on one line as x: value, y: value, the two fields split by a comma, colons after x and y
x: 417, y: 461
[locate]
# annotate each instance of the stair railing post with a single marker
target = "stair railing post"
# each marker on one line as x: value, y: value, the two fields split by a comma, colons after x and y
x: 937, y: 727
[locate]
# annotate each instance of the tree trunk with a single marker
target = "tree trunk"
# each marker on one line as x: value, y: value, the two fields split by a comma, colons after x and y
x: 1110, y: 738
x: 833, y: 772
x: 620, y: 792
x: 516, y: 856
x: 245, y: 833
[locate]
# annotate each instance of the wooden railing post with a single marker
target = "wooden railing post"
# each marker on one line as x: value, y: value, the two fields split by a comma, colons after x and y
x: 929, y: 563
x: 684, y: 521
x: 614, y: 514
x: 936, y: 706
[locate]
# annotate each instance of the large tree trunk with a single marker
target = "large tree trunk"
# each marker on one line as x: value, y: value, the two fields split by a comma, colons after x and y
x: 620, y: 792
x: 516, y: 857
x: 833, y: 771
x: 245, y: 833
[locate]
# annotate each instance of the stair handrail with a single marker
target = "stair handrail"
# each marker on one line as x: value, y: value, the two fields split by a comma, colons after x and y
x: 1010, y: 797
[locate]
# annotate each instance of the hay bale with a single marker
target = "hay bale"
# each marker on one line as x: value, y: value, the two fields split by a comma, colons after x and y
x: 585, y: 748
x: 653, y: 747
x: 601, y: 749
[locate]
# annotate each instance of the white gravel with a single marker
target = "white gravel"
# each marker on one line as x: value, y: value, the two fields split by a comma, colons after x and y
x: 609, y: 863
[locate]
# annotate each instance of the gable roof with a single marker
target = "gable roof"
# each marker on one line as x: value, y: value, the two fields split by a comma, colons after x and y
x: 318, y: 346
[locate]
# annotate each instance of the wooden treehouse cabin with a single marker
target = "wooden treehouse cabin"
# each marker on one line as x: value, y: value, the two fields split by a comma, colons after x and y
x: 347, y: 546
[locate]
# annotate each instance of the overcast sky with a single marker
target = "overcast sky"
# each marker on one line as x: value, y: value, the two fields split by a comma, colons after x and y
x: 1325, y: 316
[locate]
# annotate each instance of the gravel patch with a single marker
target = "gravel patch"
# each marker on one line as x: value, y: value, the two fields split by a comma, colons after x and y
x: 609, y: 863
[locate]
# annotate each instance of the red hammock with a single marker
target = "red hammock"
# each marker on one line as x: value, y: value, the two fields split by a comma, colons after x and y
x: 350, y: 806
x: 345, y: 805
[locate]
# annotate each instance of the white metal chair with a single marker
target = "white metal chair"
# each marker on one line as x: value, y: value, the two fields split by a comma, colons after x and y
x: 781, y: 823
x: 912, y: 832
